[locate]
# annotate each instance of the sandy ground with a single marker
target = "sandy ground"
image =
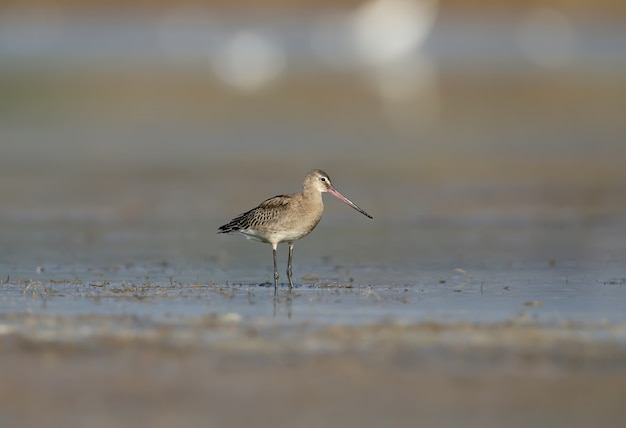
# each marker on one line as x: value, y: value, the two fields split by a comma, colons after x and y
x: 386, y: 374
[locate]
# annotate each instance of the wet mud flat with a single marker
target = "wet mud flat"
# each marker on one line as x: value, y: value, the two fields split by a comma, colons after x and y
x: 386, y: 374
x: 107, y: 353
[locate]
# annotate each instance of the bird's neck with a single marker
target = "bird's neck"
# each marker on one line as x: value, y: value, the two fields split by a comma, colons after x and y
x: 311, y: 194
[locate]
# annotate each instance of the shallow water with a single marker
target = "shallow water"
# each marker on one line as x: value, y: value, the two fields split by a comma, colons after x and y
x: 442, y: 273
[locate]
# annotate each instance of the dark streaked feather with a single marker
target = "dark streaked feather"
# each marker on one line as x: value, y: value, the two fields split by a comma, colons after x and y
x: 266, y: 211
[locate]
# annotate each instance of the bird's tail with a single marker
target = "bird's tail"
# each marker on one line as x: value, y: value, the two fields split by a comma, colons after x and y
x: 228, y: 228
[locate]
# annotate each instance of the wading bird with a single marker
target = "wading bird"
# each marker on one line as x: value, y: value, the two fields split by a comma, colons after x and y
x: 287, y: 218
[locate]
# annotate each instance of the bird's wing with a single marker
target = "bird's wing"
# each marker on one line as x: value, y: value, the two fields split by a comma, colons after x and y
x: 277, y: 202
x: 261, y: 215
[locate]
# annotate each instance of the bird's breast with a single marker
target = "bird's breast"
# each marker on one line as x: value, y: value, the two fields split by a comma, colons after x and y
x: 300, y: 221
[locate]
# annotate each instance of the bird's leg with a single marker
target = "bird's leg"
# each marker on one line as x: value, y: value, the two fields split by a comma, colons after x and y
x: 289, y: 264
x: 275, y: 269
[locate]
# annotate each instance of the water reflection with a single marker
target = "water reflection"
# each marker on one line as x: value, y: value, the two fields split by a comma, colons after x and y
x: 385, y: 32
x: 285, y: 300
x: 249, y: 60
x: 383, y: 41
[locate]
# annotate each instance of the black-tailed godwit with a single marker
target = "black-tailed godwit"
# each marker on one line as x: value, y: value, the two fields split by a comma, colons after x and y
x: 287, y: 218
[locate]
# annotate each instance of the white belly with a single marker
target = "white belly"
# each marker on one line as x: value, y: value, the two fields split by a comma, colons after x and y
x: 275, y: 237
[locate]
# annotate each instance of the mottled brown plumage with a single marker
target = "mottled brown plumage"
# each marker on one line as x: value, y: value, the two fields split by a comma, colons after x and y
x: 287, y: 218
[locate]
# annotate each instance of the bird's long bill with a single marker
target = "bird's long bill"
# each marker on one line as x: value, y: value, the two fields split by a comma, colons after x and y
x: 338, y: 195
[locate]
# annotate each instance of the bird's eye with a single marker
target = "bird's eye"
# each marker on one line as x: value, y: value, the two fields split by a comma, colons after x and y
x: 323, y: 179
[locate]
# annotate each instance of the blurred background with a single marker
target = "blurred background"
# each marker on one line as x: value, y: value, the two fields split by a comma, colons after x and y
x: 422, y: 111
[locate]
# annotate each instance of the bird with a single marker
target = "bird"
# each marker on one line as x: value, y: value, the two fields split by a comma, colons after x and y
x: 287, y: 218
